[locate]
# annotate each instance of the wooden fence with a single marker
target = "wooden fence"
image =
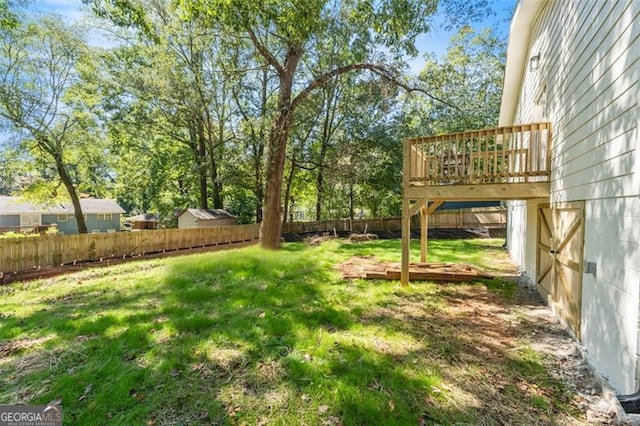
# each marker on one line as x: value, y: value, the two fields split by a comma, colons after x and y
x: 490, y: 217
x: 21, y: 254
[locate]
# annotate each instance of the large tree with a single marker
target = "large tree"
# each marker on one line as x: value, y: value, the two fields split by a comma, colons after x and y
x: 304, y: 45
x: 37, y: 78
x: 289, y: 33
x: 172, y: 73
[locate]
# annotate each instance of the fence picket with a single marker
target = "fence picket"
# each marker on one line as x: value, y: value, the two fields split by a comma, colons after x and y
x: 463, y: 218
x: 22, y: 254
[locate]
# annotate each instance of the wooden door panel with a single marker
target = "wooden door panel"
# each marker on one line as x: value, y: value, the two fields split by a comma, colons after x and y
x: 569, y: 295
x: 559, y: 261
x: 544, y: 261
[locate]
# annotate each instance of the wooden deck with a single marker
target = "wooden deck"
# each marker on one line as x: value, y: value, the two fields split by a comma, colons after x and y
x: 369, y: 268
x: 503, y: 163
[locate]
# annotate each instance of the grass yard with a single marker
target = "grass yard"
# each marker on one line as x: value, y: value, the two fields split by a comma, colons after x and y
x: 254, y: 337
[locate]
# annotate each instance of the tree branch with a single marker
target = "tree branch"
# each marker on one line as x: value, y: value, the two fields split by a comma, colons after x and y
x: 376, y: 69
x: 272, y: 60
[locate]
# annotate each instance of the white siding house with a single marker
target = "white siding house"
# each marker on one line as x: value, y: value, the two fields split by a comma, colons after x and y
x: 586, y: 85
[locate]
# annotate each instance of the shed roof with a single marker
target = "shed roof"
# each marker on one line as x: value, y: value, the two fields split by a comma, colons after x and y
x: 144, y: 217
x: 18, y: 205
x: 208, y: 214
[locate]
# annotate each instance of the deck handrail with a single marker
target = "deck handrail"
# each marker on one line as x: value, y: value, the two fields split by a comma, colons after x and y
x: 518, y: 153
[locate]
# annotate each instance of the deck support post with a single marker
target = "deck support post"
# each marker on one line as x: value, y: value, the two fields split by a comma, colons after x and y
x: 406, y: 241
x: 424, y: 221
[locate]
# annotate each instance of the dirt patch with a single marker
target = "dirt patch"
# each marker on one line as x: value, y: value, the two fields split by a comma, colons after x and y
x: 37, y: 274
x: 565, y: 362
x: 14, y: 346
x: 506, y: 326
x: 491, y: 348
x: 434, y: 234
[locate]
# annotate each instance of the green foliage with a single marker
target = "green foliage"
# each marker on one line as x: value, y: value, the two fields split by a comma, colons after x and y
x: 241, y: 203
x: 12, y: 235
x: 52, y: 230
x: 42, y: 105
x: 184, y: 108
x: 9, y: 18
x: 469, y: 77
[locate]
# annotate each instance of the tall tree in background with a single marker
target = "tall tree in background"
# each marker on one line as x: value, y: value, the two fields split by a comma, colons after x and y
x: 469, y: 76
x: 37, y: 75
x: 299, y: 27
x: 8, y: 18
x: 173, y: 74
x: 296, y: 48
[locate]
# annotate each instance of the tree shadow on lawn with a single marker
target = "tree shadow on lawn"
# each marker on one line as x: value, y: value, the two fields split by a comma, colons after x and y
x: 257, y: 337
x: 480, y: 347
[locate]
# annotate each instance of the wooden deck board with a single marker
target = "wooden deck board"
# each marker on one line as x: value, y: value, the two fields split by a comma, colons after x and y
x: 370, y: 268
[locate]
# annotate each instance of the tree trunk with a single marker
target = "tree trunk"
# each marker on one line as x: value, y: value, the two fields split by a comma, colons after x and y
x: 351, y: 201
x: 198, y: 147
x: 319, y: 190
x: 207, y: 137
x: 259, y: 147
x: 330, y: 105
x: 271, y: 229
x: 216, y: 185
x: 259, y: 192
x: 73, y: 194
x: 287, y: 190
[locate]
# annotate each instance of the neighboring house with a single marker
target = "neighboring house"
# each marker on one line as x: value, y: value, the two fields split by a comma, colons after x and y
x: 143, y: 221
x: 100, y: 215
x: 197, y: 218
x: 576, y: 64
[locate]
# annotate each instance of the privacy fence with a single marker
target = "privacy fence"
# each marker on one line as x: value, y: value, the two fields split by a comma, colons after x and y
x: 490, y: 217
x: 22, y: 254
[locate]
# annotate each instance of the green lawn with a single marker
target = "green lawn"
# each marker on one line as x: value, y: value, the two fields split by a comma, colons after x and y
x: 254, y: 337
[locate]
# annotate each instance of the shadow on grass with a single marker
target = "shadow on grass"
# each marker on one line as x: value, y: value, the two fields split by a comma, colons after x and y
x: 259, y: 337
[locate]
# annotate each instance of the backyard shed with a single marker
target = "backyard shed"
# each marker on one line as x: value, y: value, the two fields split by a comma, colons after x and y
x: 143, y: 221
x: 197, y: 218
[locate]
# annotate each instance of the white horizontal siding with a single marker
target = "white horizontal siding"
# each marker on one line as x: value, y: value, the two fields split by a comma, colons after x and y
x: 590, y: 67
x: 603, y: 33
x: 610, y: 298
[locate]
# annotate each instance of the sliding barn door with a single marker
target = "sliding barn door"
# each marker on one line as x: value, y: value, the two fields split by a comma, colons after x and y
x: 559, y: 259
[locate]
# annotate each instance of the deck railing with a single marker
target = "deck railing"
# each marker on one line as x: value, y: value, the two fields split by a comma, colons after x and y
x: 519, y: 153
